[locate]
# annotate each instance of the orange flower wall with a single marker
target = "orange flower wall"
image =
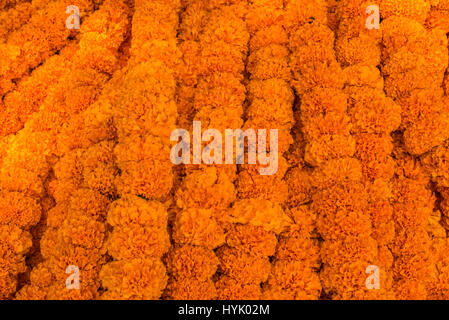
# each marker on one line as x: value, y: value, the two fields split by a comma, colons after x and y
x: 93, y: 206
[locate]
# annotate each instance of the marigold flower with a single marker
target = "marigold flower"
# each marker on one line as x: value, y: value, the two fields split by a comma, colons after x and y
x: 190, y: 289
x: 198, y: 227
x: 136, y: 279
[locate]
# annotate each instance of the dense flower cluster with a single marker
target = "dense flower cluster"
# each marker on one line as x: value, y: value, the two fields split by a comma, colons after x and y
x: 88, y: 191
x: 144, y: 108
x: 29, y: 155
x: 334, y: 183
x: 373, y: 118
x: 43, y: 34
x: 83, y: 173
x: 14, y: 17
x: 244, y: 261
x: 220, y: 39
x: 414, y: 61
x: 271, y: 106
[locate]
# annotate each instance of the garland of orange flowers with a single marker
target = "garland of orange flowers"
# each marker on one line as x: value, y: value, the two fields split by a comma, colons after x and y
x: 343, y: 221
x: 14, y: 18
x: 373, y: 118
x: 252, y: 241
x: 191, y: 261
x: 206, y: 192
x: 436, y: 164
x: 75, y: 233
x: 193, y: 19
x: 41, y: 37
x: 31, y: 91
x: 414, y: 265
x: 294, y: 273
x: 424, y: 125
x: 244, y: 258
x: 414, y: 63
x: 144, y: 116
x: 27, y: 162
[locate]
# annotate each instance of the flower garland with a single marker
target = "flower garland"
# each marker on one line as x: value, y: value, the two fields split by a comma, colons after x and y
x: 144, y: 115
x: 207, y: 192
x: 374, y: 117
x: 405, y: 39
x: 41, y: 37
x: 75, y: 233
